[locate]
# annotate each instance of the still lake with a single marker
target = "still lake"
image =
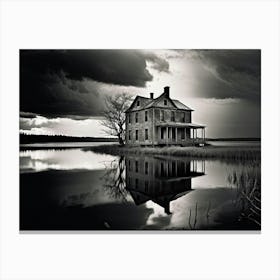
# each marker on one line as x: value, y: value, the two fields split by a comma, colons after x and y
x: 77, y: 189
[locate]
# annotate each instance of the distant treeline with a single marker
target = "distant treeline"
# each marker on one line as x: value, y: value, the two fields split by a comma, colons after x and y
x: 235, y: 139
x: 29, y: 139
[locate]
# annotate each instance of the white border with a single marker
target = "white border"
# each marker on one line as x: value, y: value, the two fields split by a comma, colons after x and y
x: 157, y: 24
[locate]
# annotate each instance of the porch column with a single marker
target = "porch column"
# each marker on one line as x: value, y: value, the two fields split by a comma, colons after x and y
x: 176, y: 134
x: 167, y: 135
x: 192, y: 129
x: 153, y: 123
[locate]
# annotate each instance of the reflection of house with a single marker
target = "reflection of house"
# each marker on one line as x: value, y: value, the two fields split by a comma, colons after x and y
x: 161, y: 121
x: 159, y: 179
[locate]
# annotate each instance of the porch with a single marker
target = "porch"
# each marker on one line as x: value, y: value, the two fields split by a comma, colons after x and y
x: 179, y: 134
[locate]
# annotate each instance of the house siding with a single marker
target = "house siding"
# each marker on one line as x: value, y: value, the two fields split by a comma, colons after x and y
x: 154, y: 133
x: 141, y: 125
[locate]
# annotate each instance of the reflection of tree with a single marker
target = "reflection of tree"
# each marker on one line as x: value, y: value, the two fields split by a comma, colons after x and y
x: 114, y: 179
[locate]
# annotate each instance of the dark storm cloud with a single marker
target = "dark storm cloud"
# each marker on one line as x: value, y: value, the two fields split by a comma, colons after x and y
x: 54, y: 95
x: 237, y: 73
x: 27, y: 115
x: 55, y: 82
x: 29, y: 123
x: 25, y: 123
x: 158, y: 63
x: 120, y: 67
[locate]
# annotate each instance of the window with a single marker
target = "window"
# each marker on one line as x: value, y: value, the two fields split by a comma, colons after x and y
x: 136, y: 117
x: 129, y: 181
x: 183, y: 132
x: 162, y: 133
x: 146, y: 116
x: 173, y: 133
x: 146, y: 134
x: 146, y: 167
x: 129, y: 135
x: 138, y: 103
x: 136, y: 166
x: 161, y: 115
x: 173, y: 116
x: 136, y: 135
x: 129, y: 118
x: 183, y: 119
x: 129, y: 165
x: 136, y: 183
x: 165, y: 102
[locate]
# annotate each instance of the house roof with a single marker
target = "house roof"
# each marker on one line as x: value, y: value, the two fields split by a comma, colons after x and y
x: 148, y: 103
x: 180, y: 105
x: 144, y: 102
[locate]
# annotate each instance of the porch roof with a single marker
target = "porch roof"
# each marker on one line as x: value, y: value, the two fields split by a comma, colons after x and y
x: 178, y: 124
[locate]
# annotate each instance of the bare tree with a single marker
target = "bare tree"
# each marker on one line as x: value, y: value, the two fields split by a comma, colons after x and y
x: 114, y: 115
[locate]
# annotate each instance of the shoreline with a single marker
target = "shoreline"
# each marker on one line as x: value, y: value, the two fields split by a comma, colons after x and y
x: 239, y: 153
x: 206, y: 152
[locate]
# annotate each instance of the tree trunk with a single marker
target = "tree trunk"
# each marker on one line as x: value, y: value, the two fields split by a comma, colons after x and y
x: 121, y: 142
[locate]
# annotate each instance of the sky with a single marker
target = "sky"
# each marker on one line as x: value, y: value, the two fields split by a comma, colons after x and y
x: 63, y: 91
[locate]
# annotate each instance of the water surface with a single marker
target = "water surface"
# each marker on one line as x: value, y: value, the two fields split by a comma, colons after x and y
x: 65, y: 144
x: 234, y: 143
x: 75, y: 189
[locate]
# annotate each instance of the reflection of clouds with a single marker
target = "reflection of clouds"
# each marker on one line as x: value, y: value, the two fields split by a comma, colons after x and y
x: 39, y: 160
x: 28, y: 164
x: 204, y: 198
x: 158, y: 217
x: 221, y: 206
x: 216, y: 175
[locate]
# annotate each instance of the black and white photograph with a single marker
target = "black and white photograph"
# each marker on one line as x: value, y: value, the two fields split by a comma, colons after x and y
x: 139, y: 139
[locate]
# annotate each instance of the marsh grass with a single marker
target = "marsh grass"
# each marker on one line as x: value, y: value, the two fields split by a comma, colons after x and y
x: 251, y: 153
x: 247, y: 181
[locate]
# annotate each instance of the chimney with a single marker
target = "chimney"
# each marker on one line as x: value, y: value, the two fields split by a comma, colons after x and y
x: 151, y: 95
x: 166, y: 91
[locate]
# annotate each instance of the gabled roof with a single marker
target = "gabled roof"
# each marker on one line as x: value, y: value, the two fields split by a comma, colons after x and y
x: 143, y: 103
x: 180, y: 105
x: 149, y: 103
